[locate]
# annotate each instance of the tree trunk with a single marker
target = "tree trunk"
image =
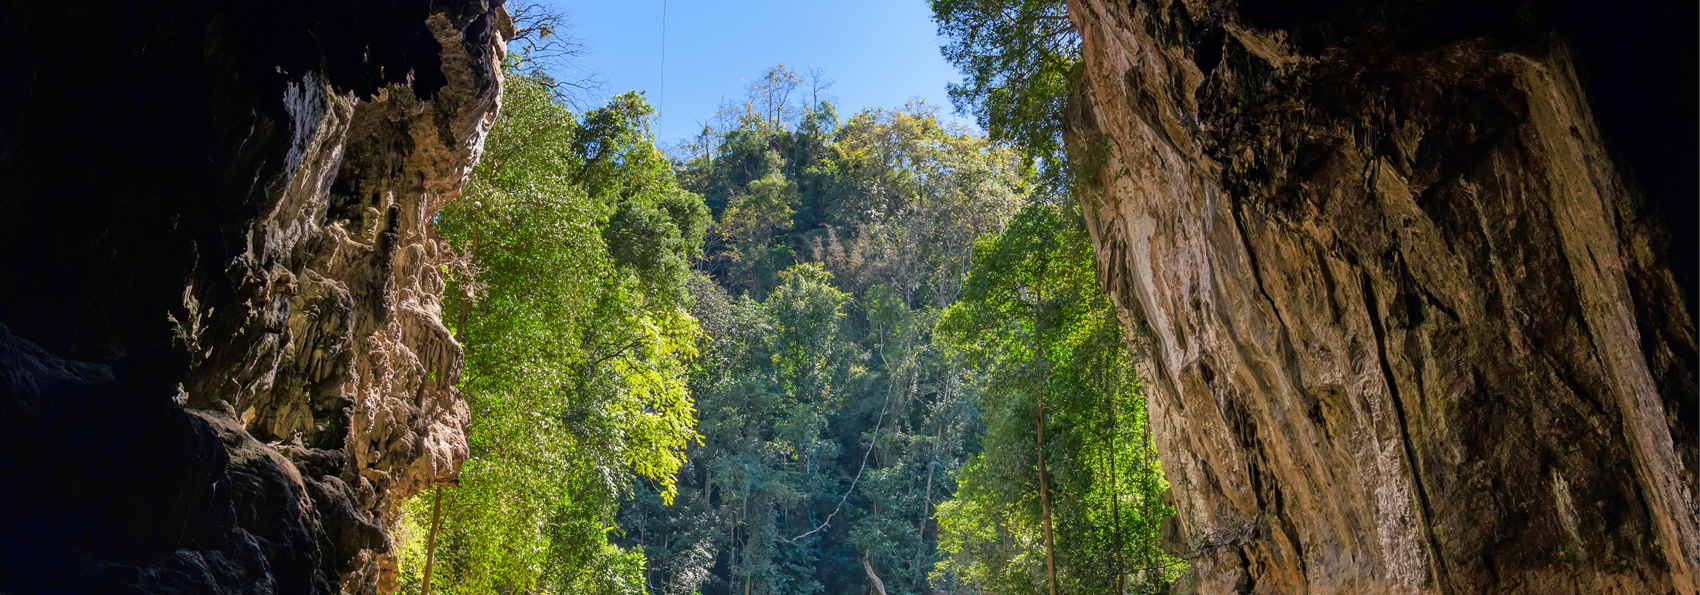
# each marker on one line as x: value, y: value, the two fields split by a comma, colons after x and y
x: 879, y: 585
x: 431, y: 538
x: 1045, y: 500
x: 1039, y: 324
x: 926, y: 507
x: 1116, y: 503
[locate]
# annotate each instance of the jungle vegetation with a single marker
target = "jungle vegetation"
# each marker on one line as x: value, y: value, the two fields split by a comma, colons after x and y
x: 801, y: 352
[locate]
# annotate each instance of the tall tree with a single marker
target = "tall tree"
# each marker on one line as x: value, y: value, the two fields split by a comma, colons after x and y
x: 571, y: 304
x: 1055, y: 372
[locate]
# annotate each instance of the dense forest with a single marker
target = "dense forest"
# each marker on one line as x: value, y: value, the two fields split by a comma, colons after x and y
x: 801, y: 352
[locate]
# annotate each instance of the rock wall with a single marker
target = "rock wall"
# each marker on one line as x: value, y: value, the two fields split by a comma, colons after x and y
x: 222, y: 357
x: 1413, y: 327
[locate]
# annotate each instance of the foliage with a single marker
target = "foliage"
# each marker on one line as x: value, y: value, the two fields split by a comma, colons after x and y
x: 1059, y: 393
x: 571, y: 305
x: 1034, y: 328
x: 865, y: 387
x: 831, y: 422
x: 1020, y: 60
x: 800, y: 353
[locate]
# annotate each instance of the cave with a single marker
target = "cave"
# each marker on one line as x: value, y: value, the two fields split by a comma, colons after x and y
x: 220, y: 350
x: 1413, y: 286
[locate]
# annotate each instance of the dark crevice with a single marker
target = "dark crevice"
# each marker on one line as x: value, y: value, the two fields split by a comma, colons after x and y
x: 1208, y: 47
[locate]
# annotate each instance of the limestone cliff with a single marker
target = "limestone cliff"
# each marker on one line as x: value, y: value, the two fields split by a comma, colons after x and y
x: 222, y: 359
x: 1413, y: 323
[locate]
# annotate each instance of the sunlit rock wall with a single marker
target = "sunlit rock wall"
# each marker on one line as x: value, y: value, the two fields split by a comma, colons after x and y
x: 1412, y: 325
x: 222, y: 361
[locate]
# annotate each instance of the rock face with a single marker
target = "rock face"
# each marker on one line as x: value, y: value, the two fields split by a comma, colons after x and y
x: 1413, y: 323
x: 222, y: 357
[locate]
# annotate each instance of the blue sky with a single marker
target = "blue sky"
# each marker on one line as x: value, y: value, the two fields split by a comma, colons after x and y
x: 880, y: 52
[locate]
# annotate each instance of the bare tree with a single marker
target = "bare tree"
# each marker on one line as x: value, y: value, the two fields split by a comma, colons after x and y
x: 543, y: 47
x: 818, y: 83
x: 769, y: 97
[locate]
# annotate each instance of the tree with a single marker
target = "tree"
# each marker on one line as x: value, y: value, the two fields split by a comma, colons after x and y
x: 887, y: 399
x: 1062, y: 406
x: 571, y: 304
x: 1020, y: 60
x: 828, y: 441
x: 541, y: 43
x: 771, y: 96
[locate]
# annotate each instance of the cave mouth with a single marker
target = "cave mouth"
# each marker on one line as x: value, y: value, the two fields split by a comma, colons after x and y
x: 143, y: 167
x: 176, y: 353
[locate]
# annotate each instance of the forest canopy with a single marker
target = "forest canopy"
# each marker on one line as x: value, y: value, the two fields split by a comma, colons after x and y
x: 800, y: 352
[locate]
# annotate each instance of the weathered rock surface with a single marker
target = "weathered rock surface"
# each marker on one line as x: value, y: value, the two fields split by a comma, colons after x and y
x: 1413, y: 326
x: 223, y: 363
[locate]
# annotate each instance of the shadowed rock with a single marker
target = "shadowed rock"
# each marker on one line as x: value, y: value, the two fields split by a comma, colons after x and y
x: 1412, y: 326
x: 225, y: 365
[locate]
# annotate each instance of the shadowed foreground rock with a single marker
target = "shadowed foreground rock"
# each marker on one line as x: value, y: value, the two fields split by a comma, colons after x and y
x: 222, y: 361
x: 1413, y: 324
